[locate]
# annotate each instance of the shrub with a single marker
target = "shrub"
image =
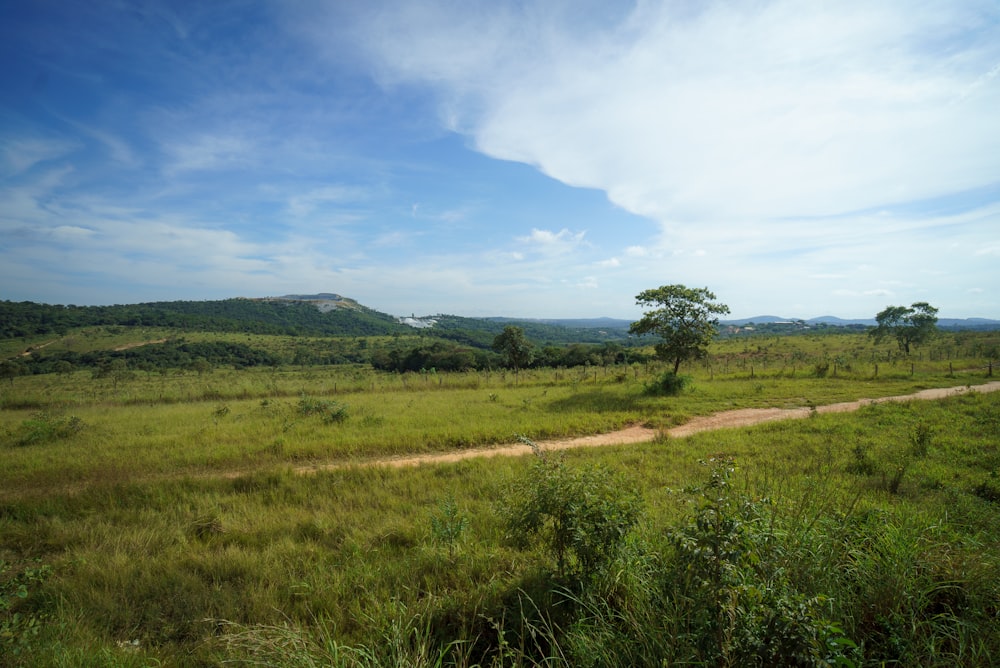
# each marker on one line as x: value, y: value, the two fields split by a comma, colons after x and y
x: 582, y: 515
x: 728, y: 585
x: 668, y: 384
x: 331, y: 411
x: 44, y: 426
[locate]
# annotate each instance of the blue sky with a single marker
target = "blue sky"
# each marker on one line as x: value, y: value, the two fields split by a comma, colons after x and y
x: 536, y: 159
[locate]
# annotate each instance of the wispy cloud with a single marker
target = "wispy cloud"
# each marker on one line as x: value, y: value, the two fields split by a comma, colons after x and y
x: 205, y: 152
x: 725, y: 111
x: 306, y: 203
x: 546, y: 241
x: 20, y: 154
x: 829, y: 156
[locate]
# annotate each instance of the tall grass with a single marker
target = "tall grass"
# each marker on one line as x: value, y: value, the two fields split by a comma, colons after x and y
x: 797, y: 553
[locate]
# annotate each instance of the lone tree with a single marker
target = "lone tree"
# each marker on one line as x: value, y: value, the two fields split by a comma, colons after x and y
x: 516, y: 350
x: 910, y: 326
x: 684, y: 319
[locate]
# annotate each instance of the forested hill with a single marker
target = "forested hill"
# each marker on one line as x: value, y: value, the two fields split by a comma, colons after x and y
x: 295, y: 315
x: 257, y: 316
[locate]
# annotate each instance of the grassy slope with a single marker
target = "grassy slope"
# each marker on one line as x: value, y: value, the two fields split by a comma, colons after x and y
x: 147, y: 558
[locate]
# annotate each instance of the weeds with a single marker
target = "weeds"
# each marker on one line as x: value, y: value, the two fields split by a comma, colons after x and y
x: 448, y: 525
x: 331, y: 411
x: 43, y: 427
x: 20, y: 623
x: 920, y: 439
x: 581, y: 515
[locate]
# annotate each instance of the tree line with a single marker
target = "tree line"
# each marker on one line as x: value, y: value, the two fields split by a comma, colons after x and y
x: 685, y: 320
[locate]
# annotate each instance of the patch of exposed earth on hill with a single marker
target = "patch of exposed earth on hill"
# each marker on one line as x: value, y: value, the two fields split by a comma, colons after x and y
x: 138, y: 344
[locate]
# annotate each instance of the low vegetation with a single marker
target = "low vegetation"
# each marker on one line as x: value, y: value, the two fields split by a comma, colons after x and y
x: 186, y: 516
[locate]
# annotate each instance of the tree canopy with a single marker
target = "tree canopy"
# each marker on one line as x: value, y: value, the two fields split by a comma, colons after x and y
x: 517, y: 351
x: 912, y: 325
x: 684, y: 318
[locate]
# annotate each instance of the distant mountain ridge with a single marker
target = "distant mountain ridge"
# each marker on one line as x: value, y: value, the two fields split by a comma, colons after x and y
x: 947, y: 323
x: 332, y: 314
x: 827, y: 320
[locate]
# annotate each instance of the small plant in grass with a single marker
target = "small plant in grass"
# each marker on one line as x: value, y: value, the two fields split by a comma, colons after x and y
x: 920, y: 439
x: 893, y: 481
x: 582, y: 515
x: 207, y: 525
x: 862, y: 464
x: 448, y: 525
x: 988, y: 490
x: 336, y: 413
x: 44, y: 426
x: 19, y: 624
x: 331, y: 411
x: 372, y: 421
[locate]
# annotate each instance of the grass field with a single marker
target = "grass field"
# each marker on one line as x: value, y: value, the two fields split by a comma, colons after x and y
x: 156, y: 520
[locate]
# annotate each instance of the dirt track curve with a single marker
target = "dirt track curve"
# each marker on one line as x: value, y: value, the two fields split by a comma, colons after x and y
x: 638, y: 434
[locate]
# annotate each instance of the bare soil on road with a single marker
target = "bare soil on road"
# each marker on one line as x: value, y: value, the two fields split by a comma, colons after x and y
x: 743, y: 417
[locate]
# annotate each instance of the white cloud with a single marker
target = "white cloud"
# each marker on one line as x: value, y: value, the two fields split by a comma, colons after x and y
x: 205, y: 152
x: 303, y: 204
x: 636, y: 251
x: 72, y: 232
x: 610, y: 263
x: 19, y: 154
x: 760, y: 110
x: 546, y: 241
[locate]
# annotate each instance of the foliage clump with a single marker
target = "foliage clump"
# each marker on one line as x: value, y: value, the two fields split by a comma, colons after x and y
x: 726, y: 579
x: 44, y: 426
x: 909, y: 325
x: 581, y: 514
x: 20, y: 623
x: 684, y: 318
x: 668, y: 384
x: 330, y: 411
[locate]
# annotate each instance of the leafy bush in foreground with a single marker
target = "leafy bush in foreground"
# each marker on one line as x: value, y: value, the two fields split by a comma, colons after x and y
x: 582, y: 515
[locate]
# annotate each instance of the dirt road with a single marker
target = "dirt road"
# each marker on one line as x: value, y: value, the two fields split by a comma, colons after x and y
x: 638, y: 434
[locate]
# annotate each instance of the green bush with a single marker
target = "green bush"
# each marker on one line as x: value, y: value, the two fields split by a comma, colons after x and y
x: 668, y: 384
x: 727, y: 582
x: 582, y: 515
x: 43, y: 426
x: 331, y: 411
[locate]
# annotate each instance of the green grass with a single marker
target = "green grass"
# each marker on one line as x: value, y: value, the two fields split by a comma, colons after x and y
x: 353, y: 551
x: 879, y: 524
